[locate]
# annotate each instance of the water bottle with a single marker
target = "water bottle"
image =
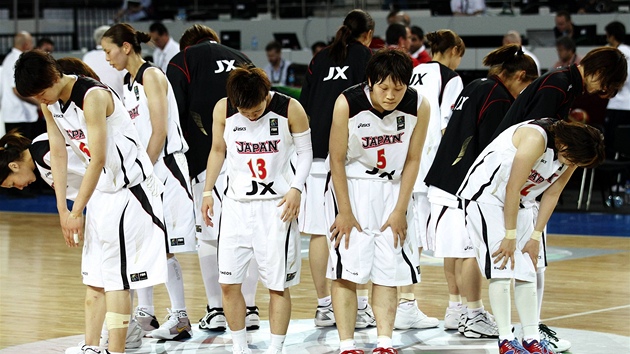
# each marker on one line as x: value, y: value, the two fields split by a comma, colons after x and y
x: 627, y: 196
x: 254, y: 43
x: 291, y: 78
x: 181, y: 14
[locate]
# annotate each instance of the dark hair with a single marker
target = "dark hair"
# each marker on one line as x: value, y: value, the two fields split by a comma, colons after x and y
x: 123, y: 32
x: 318, y: 44
x: 195, y: 34
x: 617, y: 30
x: 417, y: 31
x: 580, y: 143
x: 354, y: 25
x: 394, y: 32
x: 564, y: 13
x: 392, y: 63
x: 44, y: 40
x: 75, y: 66
x: 566, y: 43
x: 609, y: 65
x: 273, y: 45
x: 35, y: 71
x: 443, y: 40
x: 247, y: 86
x: 12, y: 145
x: 509, y: 59
x: 159, y: 28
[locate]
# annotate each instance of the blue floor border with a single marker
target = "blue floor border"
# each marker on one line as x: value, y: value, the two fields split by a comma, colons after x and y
x: 578, y: 223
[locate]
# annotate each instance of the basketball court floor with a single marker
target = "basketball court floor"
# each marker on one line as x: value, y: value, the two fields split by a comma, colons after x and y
x: 587, y: 298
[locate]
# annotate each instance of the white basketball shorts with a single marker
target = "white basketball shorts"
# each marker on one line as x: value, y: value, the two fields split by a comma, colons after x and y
x: 421, y: 212
x: 205, y: 232
x: 312, y: 215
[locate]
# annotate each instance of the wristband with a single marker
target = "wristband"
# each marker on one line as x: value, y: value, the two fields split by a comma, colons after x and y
x: 536, y: 235
x: 510, y: 234
x: 74, y: 215
x: 207, y: 194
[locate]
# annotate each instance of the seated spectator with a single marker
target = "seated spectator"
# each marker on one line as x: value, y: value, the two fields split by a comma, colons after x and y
x: 397, y: 16
x: 566, y: 53
x: 564, y: 26
x: 45, y: 44
x: 417, y: 48
x: 133, y: 10
x: 468, y: 7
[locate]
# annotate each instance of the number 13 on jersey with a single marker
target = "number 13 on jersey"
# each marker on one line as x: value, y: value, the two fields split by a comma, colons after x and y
x: 257, y: 168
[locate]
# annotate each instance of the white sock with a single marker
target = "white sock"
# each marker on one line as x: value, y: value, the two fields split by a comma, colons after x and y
x: 362, y: 298
x: 407, y: 304
x: 145, y: 300
x: 277, y: 341
x: 326, y: 301
x: 475, y: 308
x: 525, y: 300
x: 347, y: 344
x: 175, y: 284
x: 454, y: 300
x: 453, y: 305
x: 207, y: 253
x: 248, y: 287
x: 383, y: 342
x: 239, y: 338
x: 540, y: 289
x: 499, y: 294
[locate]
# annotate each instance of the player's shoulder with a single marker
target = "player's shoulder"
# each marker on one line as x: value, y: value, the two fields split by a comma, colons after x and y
x: 82, y: 87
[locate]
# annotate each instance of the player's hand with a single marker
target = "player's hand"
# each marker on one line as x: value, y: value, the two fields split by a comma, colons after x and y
x: 207, y: 210
x: 505, y: 253
x: 532, y: 247
x: 291, y: 202
x: 342, y: 227
x: 397, y: 221
x: 71, y: 227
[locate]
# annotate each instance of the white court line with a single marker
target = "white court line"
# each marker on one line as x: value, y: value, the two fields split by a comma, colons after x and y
x: 586, y: 313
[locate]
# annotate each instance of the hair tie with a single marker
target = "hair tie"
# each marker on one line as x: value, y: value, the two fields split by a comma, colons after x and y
x: 520, y: 52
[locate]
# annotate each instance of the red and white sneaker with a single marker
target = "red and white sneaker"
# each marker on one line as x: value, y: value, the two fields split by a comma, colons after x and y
x: 511, y: 347
x: 536, y: 347
x: 353, y: 351
x: 381, y: 350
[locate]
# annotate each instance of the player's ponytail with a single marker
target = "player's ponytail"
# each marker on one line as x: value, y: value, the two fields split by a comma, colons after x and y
x: 510, y: 59
x: 354, y: 25
x: 12, y: 144
x: 443, y: 40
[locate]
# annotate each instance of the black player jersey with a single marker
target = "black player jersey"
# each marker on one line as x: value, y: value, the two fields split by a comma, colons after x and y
x: 478, y: 111
x: 549, y: 96
x: 198, y: 75
x: 325, y: 81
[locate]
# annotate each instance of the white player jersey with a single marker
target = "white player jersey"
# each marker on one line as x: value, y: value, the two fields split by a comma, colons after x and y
x: 258, y: 162
x: 487, y: 178
x: 440, y: 86
x: 378, y: 142
x: 135, y: 100
x: 127, y: 163
x: 40, y: 152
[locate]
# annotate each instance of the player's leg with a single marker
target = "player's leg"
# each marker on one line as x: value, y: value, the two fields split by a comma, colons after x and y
x: 95, y: 307
x: 344, y: 301
x: 479, y: 323
x: 249, y: 286
x: 118, y: 312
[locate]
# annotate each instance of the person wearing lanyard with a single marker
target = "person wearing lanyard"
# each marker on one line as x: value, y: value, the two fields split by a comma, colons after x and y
x: 277, y: 68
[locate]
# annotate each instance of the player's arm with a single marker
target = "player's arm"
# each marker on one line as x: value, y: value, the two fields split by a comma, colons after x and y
x: 530, y: 145
x: 449, y: 97
x: 215, y: 159
x: 298, y: 125
x: 338, y: 147
x: 156, y: 89
x: 398, y: 218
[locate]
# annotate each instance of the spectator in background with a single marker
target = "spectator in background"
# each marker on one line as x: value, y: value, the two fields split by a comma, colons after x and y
x: 397, y: 16
x: 277, y: 68
x: 133, y: 10
x: 165, y: 46
x: 45, y: 44
x: 513, y: 37
x: 566, y: 53
x: 17, y: 111
x: 398, y: 36
x: 95, y: 59
x: 417, y: 48
x: 564, y: 26
x: 468, y: 7
x: 618, y: 110
x: 317, y: 47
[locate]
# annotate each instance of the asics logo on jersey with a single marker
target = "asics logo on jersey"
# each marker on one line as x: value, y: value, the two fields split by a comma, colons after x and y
x: 336, y: 72
x: 76, y: 134
x: 224, y: 66
x: 58, y: 116
x: 460, y: 102
x: 363, y: 125
x: 376, y: 141
x: 239, y: 129
x: 263, y: 147
x: 134, y: 112
x: 416, y: 79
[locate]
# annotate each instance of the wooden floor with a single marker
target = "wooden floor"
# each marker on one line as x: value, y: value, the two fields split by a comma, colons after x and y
x: 41, y: 294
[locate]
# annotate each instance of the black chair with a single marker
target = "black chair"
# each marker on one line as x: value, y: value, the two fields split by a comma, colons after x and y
x: 614, y: 166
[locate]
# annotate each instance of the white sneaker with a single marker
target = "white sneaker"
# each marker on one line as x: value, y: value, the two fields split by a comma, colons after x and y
x: 273, y: 351
x: 463, y: 317
x: 82, y: 349
x: 324, y: 316
x: 134, y: 336
x: 175, y: 328
x: 238, y: 350
x: 451, y: 318
x: 557, y: 344
x: 410, y: 316
x: 365, y: 318
x: 214, y: 320
x: 481, y: 326
x: 252, y: 318
x: 147, y: 321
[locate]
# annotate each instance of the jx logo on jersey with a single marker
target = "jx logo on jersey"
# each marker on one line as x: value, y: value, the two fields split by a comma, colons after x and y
x: 416, y: 79
x: 336, y: 72
x: 460, y: 102
x: 224, y: 66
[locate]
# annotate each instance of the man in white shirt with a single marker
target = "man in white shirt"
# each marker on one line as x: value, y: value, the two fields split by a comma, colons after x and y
x: 513, y: 37
x: 95, y: 59
x: 165, y: 46
x: 277, y: 68
x: 17, y: 111
x: 468, y: 7
x: 618, y: 110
